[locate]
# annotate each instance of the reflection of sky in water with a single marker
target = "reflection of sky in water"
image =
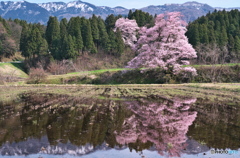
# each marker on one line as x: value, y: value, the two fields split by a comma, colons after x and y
x: 126, y: 154
x: 163, y: 125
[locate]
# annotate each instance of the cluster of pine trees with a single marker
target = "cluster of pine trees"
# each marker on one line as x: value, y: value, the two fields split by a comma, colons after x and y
x: 142, y: 18
x: 66, y: 39
x: 216, y: 36
x: 69, y: 39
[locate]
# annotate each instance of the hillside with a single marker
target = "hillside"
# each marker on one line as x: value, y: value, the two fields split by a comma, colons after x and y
x: 12, y: 72
x: 40, y: 12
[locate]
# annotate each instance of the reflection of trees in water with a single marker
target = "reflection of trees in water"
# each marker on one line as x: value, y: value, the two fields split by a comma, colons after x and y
x: 68, y: 123
x: 78, y: 120
x: 164, y: 123
x: 10, y: 124
x: 139, y: 124
x: 217, y: 124
x: 64, y: 119
x: 88, y: 120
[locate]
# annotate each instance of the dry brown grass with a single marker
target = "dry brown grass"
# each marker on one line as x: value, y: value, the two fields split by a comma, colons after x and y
x: 211, y: 92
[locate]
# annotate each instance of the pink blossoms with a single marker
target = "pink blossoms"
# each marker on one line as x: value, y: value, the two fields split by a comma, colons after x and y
x: 163, y: 45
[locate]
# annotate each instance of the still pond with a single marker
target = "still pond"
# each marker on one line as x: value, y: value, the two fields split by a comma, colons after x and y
x: 46, y: 126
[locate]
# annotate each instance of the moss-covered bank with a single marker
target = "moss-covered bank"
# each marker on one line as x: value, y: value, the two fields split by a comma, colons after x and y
x: 206, y: 74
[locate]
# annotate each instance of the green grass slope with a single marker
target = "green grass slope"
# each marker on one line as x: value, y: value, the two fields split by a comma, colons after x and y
x: 12, y: 70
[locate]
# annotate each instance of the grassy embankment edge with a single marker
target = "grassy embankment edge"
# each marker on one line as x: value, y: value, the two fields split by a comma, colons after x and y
x: 87, y: 75
x: 16, y: 69
x: 211, y: 92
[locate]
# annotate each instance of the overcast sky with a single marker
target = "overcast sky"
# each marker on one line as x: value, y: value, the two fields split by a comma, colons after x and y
x: 143, y: 3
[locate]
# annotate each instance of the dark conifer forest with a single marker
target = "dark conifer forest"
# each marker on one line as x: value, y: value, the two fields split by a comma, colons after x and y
x: 216, y: 37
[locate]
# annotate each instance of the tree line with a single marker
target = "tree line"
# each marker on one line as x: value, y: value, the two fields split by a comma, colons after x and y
x: 216, y: 37
x: 68, y: 39
x: 65, y: 39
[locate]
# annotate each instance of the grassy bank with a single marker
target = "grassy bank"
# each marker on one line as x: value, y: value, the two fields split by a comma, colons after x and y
x: 211, y: 92
x: 12, y: 69
x: 215, y: 65
x: 206, y: 74
x: 84, y: 77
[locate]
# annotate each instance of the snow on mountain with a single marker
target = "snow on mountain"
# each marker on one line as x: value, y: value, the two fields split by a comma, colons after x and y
x: 53, y: 6
x: 57, y: 6
x: 33, y: 12
x: 193, y: 4
x: 30, y: 12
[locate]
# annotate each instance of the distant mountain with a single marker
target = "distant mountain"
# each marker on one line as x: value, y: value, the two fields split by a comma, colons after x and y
x: 227, y: 9
x: 79, y: 8
x: 30, y: 12
x: 190, y: 10
x: 33, y: 12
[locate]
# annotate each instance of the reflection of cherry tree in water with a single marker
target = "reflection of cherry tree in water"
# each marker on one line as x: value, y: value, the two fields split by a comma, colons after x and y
x: 165, y: 124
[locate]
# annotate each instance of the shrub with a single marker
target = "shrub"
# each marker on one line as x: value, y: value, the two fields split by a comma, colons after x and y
x: 36, y: 75
x: 61, y: 67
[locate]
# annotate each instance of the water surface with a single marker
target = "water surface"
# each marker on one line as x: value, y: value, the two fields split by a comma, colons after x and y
x: 46, y: 125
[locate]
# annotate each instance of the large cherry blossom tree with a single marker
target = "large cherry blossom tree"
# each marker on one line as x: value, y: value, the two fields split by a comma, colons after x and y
x: 163, y: 45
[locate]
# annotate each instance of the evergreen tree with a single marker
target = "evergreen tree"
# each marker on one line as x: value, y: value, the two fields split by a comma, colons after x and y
x: 53, y: 36
x: 142, y: 20
x: 204, y: 36
x: 87, y: 36
x: 23, y: 41
x: 193, y: 34
x: 78, y: 41
x: 95, y: 30
x: 231, y: 43
x: 74, y: 29
x: 218, y: 31
x: 130, y: 14
x: 43, y: 47
x: 149, y: 20
x: 63, y: 27
x: 223, y: 37
x: 136, y: 16
x: 120, y: 43
x: 68, y: 50
x: 237, y: 44
x: 112, y: 44
x: 211, y: 33
x: 31, y: 44
x: 110, y: 22
x: 232, y: 29
x: 226, y: 19
x: 36, y: 44
x: 103, y: 35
